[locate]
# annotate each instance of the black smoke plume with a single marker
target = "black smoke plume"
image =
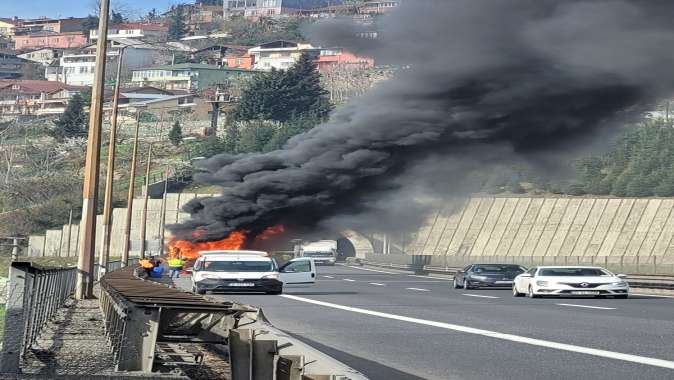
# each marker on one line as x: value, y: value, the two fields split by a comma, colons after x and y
x: 479, y: 82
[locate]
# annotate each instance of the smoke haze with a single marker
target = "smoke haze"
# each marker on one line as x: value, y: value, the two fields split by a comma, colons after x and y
x: 482, y: 82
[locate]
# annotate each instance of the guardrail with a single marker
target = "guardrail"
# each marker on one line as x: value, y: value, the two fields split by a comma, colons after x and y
x: 422, y: 264
x: 35, y: 294
x: 141, y: 315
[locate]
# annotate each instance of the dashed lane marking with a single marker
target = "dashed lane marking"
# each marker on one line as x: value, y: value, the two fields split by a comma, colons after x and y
x: 435, y: 278
x: 328, y: 276
x: 377, y: 284
x: 349, y: 280
x: 586, y: 306
x: 371, y: 270
x: 644, y: 360
x: 418, y: 289
x: 479, y: 295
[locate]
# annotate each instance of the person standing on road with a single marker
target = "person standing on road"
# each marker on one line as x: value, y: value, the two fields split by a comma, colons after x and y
x: 176, y: 265
x: 147, y: 265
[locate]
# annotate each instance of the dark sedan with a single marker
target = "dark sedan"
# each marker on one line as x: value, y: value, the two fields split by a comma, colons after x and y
x: 487, y: 276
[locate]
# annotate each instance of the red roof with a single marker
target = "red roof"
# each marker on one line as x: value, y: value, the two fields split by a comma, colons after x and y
x: 38, y: 86
x: 139, y: 25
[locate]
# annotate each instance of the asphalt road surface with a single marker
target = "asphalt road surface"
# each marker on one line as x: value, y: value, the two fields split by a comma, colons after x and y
x: 392, y: 325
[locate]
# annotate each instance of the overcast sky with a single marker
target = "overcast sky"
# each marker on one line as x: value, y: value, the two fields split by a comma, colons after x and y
x: 76, y: 8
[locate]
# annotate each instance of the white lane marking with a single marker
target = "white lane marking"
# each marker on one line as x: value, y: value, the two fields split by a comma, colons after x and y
x: 586, y: 306
x: 377, y: 284
x: 435, y: 278
x: 418, y: 289
x: 328, y: 276
x: 479, y: 295
x: 651, y: 295
x: 497, y: 335
x: 371, y: 270
x: 349, y: 280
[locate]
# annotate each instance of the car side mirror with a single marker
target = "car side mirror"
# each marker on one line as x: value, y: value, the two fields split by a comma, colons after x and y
x: 525, y: 275
x: 621, y: 275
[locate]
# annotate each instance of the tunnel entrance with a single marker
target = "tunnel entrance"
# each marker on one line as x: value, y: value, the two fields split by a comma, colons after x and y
x: 345, y: 249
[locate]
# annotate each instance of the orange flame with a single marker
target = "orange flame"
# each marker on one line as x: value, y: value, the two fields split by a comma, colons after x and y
x: 270, y: 232
x: 235, y: 241
x: 190, y: 251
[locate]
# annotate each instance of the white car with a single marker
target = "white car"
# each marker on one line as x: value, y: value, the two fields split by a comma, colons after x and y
x: 570, y: 281
x: 248, y: 271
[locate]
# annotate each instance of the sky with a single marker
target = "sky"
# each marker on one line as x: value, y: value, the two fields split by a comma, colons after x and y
x: 75, y: 8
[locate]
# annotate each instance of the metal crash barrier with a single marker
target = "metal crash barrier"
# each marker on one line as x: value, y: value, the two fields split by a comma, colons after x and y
x: 35, y: 294
x: 148, y: 324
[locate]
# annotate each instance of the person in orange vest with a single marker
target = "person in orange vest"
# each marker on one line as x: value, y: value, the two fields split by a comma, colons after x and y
x: 147, y: 265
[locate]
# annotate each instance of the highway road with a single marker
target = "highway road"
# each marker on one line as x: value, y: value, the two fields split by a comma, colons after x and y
x: 392, y: 325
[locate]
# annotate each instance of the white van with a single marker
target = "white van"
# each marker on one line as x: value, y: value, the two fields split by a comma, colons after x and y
x: 248, y: 271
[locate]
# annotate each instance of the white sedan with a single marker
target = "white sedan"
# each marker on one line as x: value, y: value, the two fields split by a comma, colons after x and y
x: 570, y: 281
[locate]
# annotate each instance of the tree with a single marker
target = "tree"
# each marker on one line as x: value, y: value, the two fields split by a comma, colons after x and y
x: 86, y: 97
x: 117, y: 18
x: 90, y: 23
x: 666, y: 186
x: 72, y: 122
x: 255, y: 136
x: 284, y: 95
x: 176, y: 134
x: 177, y: 27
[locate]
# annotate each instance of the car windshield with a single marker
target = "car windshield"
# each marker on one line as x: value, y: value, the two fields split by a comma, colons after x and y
x: 235, y: 266
x: 577, y: 272
x: 497, y: 269
x: 317, y: 254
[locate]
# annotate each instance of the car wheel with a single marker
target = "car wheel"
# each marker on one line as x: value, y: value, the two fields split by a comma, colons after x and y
x: 531, y: 294
x: 456, y: 284
x: 622, y: 296
x: 199, y: 291
x: 275, y: 292
x: 516, y: 293
x: 466, y: 285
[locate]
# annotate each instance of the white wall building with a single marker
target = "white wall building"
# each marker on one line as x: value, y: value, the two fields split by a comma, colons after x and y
x: 280, y: 55
x: 133, y: 30
x: 77, y: 68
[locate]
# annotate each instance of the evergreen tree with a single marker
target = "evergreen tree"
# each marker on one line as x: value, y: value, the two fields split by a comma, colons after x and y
x: 176, y: 134
x: 284, y: 95
x: 575, y: 189
x: 177, y: 27
x: 255, y: 136
x: 307, y: 94
x: 620, y: 185
x: 666, y: 186
x: 639, y: 187
x: 72, y: 122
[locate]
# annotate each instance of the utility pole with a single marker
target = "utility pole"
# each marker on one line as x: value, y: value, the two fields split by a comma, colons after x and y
x: 162, y: 218
x: 129, y: 197
x: 146, y: 195
x: 85, y: 263
x: 112, y: 145
x: 70, y: 232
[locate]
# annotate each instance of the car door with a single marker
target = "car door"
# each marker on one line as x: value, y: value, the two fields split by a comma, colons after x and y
x: 461, y: 274
x: 523, y: 282
x: 298, y: 271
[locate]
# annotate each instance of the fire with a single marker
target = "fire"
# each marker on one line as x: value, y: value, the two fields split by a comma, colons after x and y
x: 270, y: 232
x: 235, y: 241
x: 190, y: 251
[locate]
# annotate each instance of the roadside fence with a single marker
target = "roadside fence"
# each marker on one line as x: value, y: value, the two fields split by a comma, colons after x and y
x: 35, y: 293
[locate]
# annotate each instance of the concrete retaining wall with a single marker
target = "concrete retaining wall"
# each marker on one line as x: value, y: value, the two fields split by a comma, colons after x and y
x: 55, y: 242
x: 620, y: 228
